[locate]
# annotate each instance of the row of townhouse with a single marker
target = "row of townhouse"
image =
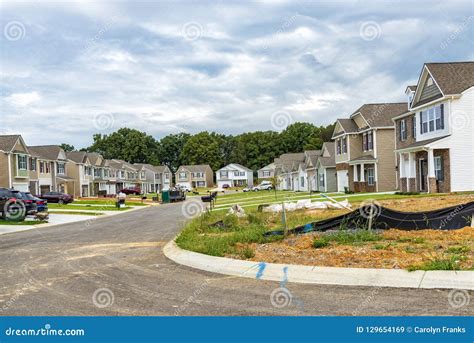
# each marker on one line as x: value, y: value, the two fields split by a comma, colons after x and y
x: 40, y: 169
x: 425, y: 144
x: 232, y: 175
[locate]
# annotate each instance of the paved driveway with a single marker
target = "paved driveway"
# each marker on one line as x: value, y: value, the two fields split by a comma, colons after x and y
x: 115, y: 266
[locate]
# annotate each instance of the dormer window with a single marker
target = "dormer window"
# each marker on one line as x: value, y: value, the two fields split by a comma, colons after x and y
x: 429, y: 81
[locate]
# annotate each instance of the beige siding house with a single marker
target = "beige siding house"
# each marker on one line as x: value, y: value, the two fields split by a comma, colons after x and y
x: 14, y: 156
x: 193, y: 176
x: 364, y: 147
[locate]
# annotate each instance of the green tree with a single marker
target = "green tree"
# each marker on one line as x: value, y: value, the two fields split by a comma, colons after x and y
x: 127, y: 144
x: 204, y: 148
x: 299, y: 136
x: 170, y: 148
x: 67, y: 147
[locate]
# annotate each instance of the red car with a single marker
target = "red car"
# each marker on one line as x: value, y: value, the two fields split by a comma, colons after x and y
x: 59, y: 197
x: 132, y: 190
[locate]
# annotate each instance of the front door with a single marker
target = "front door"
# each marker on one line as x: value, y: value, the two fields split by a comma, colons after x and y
x: 342, y: 180
x: 423, y: 168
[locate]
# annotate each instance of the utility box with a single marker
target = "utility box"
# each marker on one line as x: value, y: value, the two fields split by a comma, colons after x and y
x: 165, y: 197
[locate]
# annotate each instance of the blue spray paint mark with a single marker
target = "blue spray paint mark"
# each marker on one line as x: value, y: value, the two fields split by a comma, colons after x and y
x: 261, y: 268
x: 285, y: 278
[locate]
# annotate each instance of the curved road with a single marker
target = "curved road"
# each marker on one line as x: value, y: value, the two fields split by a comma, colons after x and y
x: 57, y: 271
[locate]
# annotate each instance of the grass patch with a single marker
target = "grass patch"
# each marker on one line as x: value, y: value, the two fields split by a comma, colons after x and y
x: 88, y: 207
x: 451, y: 263
x: 320, y: 243
x: 104, y: 202
x: 463, y: 249
x: 351, y: 237
x: 80, y: 213
x: 25, y: 222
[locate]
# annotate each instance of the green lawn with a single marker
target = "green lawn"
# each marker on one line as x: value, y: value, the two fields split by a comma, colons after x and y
x: 80, y: 213
x: 88, y: 207
x: 29, y: 222
x: 106, y: 201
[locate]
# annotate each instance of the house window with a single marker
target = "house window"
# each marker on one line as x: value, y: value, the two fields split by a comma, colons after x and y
x: 414, y: 126
x: 46, y: 164
x: 183, y: 176
x: 33, y: 164
x: 370, y: 176
x: 370, y: 141
x: 364, y: 142
x: 167, y: 176
x: 122, y: 174
x: 266, y: 173
x: 239, y: 173
x: 60, y: 168
x: 302, y: 181
x: 142, y: 175
x: 403, y: 130
x: 22, y: 162
x: 432, y: 119
x: 224, y: 173
x: 321, y: 180
x: 338, y: 146
x: 197, y: 174
x: 41, y: 167
x: 97, y: 172
x: 344, y: 145
x: 438, y: 167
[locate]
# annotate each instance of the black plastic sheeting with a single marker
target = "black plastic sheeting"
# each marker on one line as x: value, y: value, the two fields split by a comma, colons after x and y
x: 450, y: 218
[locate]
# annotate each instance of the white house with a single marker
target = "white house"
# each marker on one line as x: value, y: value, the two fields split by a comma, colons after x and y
x: 435, y: 137
x: 234, y: 175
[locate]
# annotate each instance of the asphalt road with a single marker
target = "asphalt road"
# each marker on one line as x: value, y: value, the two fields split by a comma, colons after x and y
x: 115, y: 266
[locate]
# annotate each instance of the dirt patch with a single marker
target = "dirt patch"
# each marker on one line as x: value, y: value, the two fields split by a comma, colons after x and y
x: 396, y: 249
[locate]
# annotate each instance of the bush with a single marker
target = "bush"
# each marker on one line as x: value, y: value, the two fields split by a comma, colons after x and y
x: 320, y: 243
x: 231, y: 221
x: 247, y: 253
x: 451, y: 263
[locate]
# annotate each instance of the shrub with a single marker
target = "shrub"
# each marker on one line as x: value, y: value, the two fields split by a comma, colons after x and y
x: 246, y: 253
x: 320, y: 243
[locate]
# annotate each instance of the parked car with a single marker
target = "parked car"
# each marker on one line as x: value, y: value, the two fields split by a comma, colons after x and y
x: 59, y: 197
x: 246, y: 189
x: 30, y: 202
x: 263, y: 186
x: 41, y: 205
x: 132, y: 190
x: 184, y: 188
x: 12, y: 205
x: 225, y: 186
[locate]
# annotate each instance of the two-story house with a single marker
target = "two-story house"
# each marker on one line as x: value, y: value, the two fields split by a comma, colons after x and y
x: 79, y: 169
x: 308, y: 183
x: 48, y: 169
x: 435, y: 136
x: 14, y: 156
x: 154, y: 178
x: 267, y: 172
x: 127, y: 175
x: 234, y: 175
x: 288, y: 166
x: 326, y: 169
x: 193, y: 176
x: 364, y: 146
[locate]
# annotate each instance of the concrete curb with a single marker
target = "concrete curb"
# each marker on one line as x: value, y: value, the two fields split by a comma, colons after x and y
x: 321, y: 275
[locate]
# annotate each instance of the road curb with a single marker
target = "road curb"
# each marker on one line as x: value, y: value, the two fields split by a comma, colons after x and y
x: 321, y: 275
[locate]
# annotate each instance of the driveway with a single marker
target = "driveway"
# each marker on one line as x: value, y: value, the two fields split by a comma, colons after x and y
x: 115, y: 266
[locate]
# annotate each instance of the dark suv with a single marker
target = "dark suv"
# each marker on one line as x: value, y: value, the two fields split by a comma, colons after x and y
x: 12, y: 206
x: 59, y: 197
x: 30, y: 202
x: 132, y: 190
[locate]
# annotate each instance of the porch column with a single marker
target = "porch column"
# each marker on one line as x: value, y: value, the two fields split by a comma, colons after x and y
x: 431, y: 171
x: 356, y: 178
x: 401, y: 166
x: 362, y: 176
x: 411, y: 171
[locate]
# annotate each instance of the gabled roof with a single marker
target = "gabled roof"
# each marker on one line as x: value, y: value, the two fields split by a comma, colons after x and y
x: 452, y: 77
x: 298, y: 156
x: 125, y: 164
x: 329, y: 160
x: 94, y: 157
x: 380, y: 115
x: 156, y: 169
x: 229, y: 166
x: 8, y: 142
x: 77, y: 156
x: 412, y: 88
x: 196, y: 168
x: 48, y: 152
x: 270, y: 166
x: 348, y: 125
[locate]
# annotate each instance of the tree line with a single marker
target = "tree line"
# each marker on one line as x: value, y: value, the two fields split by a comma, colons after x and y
x: 251, y: 149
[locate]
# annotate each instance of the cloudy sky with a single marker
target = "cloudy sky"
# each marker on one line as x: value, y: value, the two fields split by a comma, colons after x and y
x: 71, y: 69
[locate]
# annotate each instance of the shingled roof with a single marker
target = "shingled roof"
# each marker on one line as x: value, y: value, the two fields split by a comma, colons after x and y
x: 7, y: 142
x: 48, y: 152
x: 196, y: 168
x: 452, y: 77
x: 380, y: 115
x: 77, y: 156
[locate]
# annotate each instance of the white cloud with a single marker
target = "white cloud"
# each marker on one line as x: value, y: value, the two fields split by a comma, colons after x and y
x: 23, y: 99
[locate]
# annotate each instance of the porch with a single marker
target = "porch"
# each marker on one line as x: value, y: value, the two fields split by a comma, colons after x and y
x: 364, y: 174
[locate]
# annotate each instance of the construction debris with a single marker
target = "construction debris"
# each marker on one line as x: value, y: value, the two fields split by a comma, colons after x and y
x: 306, y: 204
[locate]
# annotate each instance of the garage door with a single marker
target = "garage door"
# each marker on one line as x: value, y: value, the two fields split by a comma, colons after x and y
x: 22, y: 187
x: 342, y: 180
